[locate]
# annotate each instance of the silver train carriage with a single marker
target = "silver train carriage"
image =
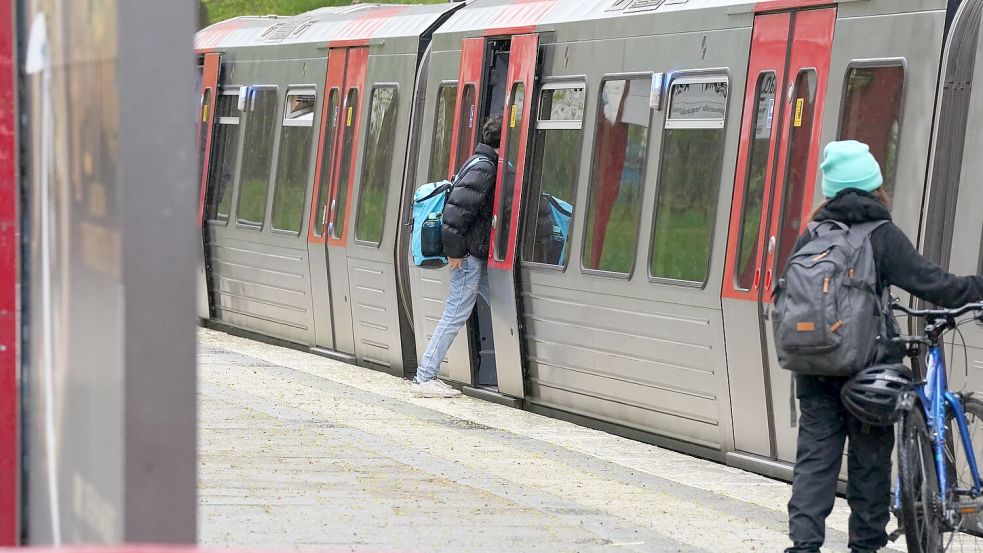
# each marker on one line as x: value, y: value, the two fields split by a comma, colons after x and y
x: 659, y: 160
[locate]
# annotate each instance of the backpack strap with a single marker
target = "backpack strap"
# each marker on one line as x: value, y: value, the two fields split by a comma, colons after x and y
x: 862, y: 231
x: 468, y: 165
x: 435, y: 192
x: 556, y: 205
x: 793, y: 407
x: 814, y: 226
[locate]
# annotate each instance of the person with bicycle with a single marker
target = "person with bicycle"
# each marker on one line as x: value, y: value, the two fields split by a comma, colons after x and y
x: 852, y: 184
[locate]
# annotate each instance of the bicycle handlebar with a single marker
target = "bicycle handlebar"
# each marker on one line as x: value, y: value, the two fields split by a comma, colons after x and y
x: 937, y: 313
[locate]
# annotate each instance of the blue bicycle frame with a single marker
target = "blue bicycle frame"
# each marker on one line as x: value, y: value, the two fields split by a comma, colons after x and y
x: 936, y: 401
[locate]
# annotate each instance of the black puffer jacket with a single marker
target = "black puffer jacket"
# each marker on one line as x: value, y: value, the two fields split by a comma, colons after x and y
x: 468, y: 213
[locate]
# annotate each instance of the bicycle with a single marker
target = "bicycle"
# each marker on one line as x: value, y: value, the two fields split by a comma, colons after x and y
x: 939, y: 490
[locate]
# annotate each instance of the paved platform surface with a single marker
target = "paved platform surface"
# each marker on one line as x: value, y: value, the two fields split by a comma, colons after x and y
x: 299, y: 451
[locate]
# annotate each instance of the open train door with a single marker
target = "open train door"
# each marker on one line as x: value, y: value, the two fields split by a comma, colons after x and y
x: 773, y: 193
x: 502, y: 273
x: 206, y: 124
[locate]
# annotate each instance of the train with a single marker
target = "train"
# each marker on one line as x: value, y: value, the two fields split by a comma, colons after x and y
x: 659, y: 159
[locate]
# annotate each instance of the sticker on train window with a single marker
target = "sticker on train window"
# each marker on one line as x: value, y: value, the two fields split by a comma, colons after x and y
x: 348, y: 119
x: 799, y: 104
x: 697, y: 103
x: 561, y: 102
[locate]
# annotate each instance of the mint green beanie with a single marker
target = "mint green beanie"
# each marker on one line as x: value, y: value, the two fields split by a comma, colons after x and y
x: 849, y: 164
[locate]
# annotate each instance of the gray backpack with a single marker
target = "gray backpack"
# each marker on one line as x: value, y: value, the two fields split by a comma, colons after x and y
x: 828, y: 318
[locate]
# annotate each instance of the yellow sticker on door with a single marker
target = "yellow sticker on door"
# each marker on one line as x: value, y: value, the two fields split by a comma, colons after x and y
x: 348, y: 122
x: 512, y: 117
x: 799, y: 104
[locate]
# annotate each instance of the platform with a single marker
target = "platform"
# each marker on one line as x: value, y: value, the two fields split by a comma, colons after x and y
x: 300, y: 451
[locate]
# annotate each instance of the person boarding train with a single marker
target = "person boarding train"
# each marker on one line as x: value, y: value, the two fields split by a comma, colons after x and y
x: 465, y: 234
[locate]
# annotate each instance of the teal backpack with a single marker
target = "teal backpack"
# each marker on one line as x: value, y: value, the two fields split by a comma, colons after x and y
x: 429, y: 200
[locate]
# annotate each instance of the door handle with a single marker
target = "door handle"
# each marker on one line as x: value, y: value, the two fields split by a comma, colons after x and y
x: 757, y: 279
x: 768, y: 279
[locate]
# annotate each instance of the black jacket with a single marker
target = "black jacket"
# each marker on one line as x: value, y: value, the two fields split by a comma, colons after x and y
x: 468, y: 213
x: 897, y: 261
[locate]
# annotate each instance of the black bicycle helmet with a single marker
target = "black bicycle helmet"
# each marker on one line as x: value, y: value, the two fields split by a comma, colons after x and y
x: 872, y: 394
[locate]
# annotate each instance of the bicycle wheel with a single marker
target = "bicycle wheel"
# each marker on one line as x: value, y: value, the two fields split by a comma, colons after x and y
x: 920, y: 507
x: 969, y: 526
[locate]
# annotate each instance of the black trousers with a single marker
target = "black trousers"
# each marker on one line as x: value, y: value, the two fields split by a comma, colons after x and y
x: 824, y: 425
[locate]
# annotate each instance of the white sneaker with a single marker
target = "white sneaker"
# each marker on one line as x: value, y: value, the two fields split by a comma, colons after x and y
x: 442, y: 384
x: 433, y: 388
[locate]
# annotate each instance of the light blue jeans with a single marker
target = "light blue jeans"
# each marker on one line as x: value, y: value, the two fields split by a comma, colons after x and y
x: 466, y: 283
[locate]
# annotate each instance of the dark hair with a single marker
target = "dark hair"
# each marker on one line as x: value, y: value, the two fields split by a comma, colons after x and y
x: 491, y: 131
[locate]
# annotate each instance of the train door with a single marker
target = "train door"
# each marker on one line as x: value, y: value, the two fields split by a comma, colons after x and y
x: 340, y: 117
x: 324, y: 171
x: 374, y: 218
x: 502, y: 278
x: 206, y: 112
x: 430, y: 287
x: 773, y: 193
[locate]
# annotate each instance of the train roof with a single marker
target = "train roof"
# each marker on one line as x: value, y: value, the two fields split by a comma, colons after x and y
x: 332, y: 25
x: 365, y: 22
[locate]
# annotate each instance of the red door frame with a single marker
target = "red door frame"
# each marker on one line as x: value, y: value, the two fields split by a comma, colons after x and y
x: 334, y: 79
x: 810, y: 49
x: 524, y: 51
x: 769, y: 48
x: 354, y: 78
x: 206, y: 122
x: 9, y: 270
x: 785, y: 43
x: 472, y: 65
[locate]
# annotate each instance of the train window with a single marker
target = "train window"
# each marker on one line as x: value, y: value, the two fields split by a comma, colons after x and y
x: 513, y: 129
x: 754, y: 187
x: 440, y: 155
x: 797, y: 165
x: 689, y: 180
x: 327, y: 163
x: 871, y: 113
x: 553, y: 179
x: 294, y: 161
x: 339, y: 204
x: 465, y: 133
x: 377, y: 165
x: 257, y: 154
x: 618, y: 175
x: 225, y: 150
